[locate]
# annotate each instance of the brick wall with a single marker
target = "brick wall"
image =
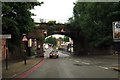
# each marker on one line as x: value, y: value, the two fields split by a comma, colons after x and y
x: 3, y: 45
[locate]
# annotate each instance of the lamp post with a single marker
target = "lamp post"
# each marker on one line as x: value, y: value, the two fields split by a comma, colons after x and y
x: 43, y: 37
x: 116, y: 36
x: 45, y: 33
x: 24, y: 40
x: 29, y: 46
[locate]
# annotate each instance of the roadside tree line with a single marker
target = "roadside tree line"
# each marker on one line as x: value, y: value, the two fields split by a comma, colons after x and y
x: 94, y: 21
x: 16, y: 20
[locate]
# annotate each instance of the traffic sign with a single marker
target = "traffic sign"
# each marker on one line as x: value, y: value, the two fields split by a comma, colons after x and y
x: 30, y: 43
x: 24, y: 39
x: 5, y: 36
x: 116, y: 31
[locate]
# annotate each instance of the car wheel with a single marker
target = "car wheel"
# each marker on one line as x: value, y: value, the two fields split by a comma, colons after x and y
x: 57, y: 57
x: 50, y: 56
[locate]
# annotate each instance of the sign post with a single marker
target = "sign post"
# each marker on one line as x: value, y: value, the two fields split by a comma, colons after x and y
x: 24, y: 40
x: 116, y: 31
x: 116, y: 36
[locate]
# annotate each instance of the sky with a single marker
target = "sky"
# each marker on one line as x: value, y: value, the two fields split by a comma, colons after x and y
x: 58, y: 10
x: 56, y: 36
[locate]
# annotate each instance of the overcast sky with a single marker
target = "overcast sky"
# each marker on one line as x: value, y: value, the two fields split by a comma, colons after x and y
x: 58, y: 10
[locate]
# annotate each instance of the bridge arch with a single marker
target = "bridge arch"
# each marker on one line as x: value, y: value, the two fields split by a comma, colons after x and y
x: 61, y: 42
x: 39, y: 33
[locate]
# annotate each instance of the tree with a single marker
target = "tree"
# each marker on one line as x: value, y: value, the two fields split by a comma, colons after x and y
x: 94, y: 21
x: 16, y: 20
x: 52, y: 22
x: 66, y: 39
x: 60, y: 38
x: 51, y: 40
x: 16, y: 17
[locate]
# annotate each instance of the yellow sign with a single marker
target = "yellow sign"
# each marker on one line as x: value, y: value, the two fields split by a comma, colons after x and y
x: 30, y: 43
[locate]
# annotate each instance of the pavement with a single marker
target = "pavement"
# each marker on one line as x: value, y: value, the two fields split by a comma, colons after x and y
x: 18, y: 67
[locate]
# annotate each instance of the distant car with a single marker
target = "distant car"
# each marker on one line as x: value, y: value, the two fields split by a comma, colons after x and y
x: 54, y: 54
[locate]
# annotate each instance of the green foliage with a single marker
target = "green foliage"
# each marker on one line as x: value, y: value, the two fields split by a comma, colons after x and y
x: 60, y: 38
x: 94, y: 21
x: 52, y: 22
x: 66, y: 39
x: 51, y: 40
x: 16, y: 17
x: 16, y: 20
x: 40, y: 38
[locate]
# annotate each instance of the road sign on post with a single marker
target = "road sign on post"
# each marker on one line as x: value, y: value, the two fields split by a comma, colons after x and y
x: 116, y: 36
x: 6, y: 36
x: 29, y: 46
x: 30, y: 43
x: 24, y: 40
x: 116, y: 31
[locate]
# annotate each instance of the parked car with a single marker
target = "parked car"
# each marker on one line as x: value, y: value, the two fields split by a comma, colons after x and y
x: 54, y: 54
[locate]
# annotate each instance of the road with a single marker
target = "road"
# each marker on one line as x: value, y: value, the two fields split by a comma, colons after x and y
x: 71, y: 67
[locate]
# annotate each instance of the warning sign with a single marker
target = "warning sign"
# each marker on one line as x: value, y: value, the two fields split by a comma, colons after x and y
x: 24, y: 39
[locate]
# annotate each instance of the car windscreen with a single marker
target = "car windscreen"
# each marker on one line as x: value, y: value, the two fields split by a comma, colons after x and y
x: 54, y: 51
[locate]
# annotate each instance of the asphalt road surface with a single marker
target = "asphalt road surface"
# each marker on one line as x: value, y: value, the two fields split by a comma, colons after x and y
x: 70, y: 67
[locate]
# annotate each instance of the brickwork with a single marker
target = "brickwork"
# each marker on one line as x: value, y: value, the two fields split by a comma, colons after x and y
x: 0, y: 49
x: 3, y: 47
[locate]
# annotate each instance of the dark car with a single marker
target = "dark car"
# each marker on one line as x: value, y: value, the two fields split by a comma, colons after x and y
x: 54, y: 54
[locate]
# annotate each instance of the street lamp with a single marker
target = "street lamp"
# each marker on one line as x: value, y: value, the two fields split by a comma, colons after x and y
x: 29, y: 46
x: 45, y: 33
x: 24, y: 40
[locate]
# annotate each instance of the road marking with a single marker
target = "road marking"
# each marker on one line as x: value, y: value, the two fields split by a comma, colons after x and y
x: 14, y: 75
x: 77, y: 61
x: 103, y: 67
x: 25, y: 74
x: 85, y: 63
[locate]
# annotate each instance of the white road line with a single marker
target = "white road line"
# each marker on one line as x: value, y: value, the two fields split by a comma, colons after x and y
x: 85, y: 63
x: 103, y: 67
x: 76, y: 61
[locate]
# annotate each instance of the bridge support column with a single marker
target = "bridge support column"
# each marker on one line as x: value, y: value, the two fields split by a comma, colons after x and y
x: 40, y: 49
x: 80, y: 47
